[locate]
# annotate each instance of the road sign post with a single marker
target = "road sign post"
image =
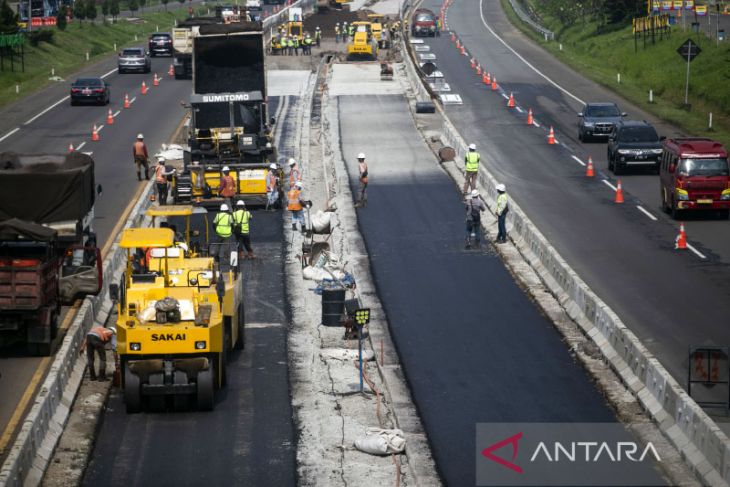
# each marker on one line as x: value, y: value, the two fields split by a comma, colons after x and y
x: 688, y: 50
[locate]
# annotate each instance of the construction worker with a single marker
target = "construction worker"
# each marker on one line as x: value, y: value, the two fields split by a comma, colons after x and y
x: 307, y: 45
x: 295, y: 205
x: 474, y: 208
x: 241, y: 227
x: 272, y: 187
x: 294, y: 173
x: 141, y: 158
x: 502, y: 210
x: 471, y: 168
x: 317, y: 36
x: 95, y: 343
x: 295, y: 44
x: 363, y: 168
x: 273, y: 44
x: 350, y: 32
x: 161, y: 174
x: 227, y: 185
x: 337, y: 33
x: 288, y: 45
x: 223, y: 224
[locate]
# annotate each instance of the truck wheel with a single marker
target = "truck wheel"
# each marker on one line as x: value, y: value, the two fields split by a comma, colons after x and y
x: 665, y: 206
x: 205, y: 389
x: 180, y: 402
x: 157, y: 402
x: 675, y: 212
x: 240, y: 340
x: 132, y: 391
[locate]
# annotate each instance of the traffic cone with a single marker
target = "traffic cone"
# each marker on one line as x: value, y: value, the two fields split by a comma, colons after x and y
x: 530, y: 120
x: 551, y: 136
x: 463, y: 51
x: 680, y: 242
x: 489, y: 78
x: 70, y: 147
x: 453, y: 37
x: 485, y: 79
x: 95, y: 134
x: 473, y: 63
x: 479, y: 70
x: 619, y: 193
x: 494, y: 83
x: 144, y: 88
x: 458, y: 44
x: 110, y: 118
x: 511, y: 101
x: 126, y: 101
x: 171, y: 71
x: 155, y: 81
x: 589, y: 168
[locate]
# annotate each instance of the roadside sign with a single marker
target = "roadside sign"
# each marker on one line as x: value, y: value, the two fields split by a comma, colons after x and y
x: 689, y: 50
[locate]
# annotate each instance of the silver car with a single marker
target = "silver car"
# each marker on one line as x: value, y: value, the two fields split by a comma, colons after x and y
x: 134, y: 59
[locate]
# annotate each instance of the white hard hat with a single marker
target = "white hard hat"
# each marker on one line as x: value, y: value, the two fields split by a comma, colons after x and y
x: 240, y: 203
x: 140, y: 136
x: 472, y: 147
x: 160, y: 159
x: 474, y: 193
x: 113, y: 330
x: 298, y: 184
x: 272, y: 166
x: 501, y: 188
x: 224, y: 207
x: 361, y: 155
x: 226, y: 169
x: 292, y: 161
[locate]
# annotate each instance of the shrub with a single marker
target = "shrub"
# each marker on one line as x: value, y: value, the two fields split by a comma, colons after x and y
x: 35, y: 37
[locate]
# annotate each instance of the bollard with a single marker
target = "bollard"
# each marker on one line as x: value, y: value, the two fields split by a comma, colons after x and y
x: 53, y: 71
x: 17, y: 88
x: 709, y: 123
x: 87, y: 56
x: 135, y: 37
x: 618, y: 78
x: 115, y: 46
x: 157, y: 28
x: 560, y: 46
x: 651, y: 96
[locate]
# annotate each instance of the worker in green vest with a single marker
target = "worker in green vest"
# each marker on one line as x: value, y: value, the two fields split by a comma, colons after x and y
x: 471, y: 168
x: 307, y: 45
x: 241, y: 228
x: 295, y: 44
x: 223, y: 224
x: 350, y: 31
x: 317, y: 36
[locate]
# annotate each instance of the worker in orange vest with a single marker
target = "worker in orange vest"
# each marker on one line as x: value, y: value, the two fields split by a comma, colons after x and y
x: 295, y: 205
x: 272, y: 187
x: 227, y: 185
x: 95, y: 342
x: 161, y: 174
x: 294, y: 173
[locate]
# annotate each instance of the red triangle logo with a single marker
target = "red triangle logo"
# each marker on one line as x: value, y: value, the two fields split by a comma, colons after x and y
x: 512, y: 440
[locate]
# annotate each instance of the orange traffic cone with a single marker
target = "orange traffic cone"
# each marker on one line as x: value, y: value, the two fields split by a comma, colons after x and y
x: 70, y: 147
x: 110, y: 118
x: 489, y: 78
x: 171, y: 71
x: 95, y: 134
x: 453, y: 37
x: 680, y: 242
x: 473, y: 63
x: 494, y: 83
x: 589, y: 168
x: 144, y: 88
x: 155, y: 81
x: 126, y: 101
x: 511, y: 101
x: 458, y: 44
x: 530, y: 120
x: 619, y: 193
x: 479, y: 69
x: 463, y: 51
x: 485, y: 79
x: 551, y: 136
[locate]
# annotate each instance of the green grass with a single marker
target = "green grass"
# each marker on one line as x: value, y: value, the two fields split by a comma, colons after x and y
x: 600, y: 56
x: 67, y: 53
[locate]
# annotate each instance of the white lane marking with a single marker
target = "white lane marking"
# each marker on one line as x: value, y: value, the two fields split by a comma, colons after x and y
x: 481, y: 12
x: 9, y: 134
x: 91, y: 153
x: 641, y: 209
x: 98, y: 129
x: 47, y: 110
x: 605, y: 181
x: 505, y: 96
x: 518, y: 109
x: 133, y: 100
x: 579, y: 161
x: 535, y: 123
x: 107, y: 74
x: 697, y: 252
x: 117, y: 113
x: 81, y: 145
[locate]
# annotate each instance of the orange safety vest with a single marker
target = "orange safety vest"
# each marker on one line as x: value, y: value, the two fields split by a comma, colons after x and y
x: 294, y: 204
x: 104, y: 333
x: 228, y: 187
x: 294, y: 176
x: 159, y: 176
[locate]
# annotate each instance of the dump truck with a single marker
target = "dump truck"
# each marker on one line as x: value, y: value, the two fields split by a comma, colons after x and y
x: 178, y: 318
x: 48, y: 253
x: 229, y: 123
x: 362, y: 45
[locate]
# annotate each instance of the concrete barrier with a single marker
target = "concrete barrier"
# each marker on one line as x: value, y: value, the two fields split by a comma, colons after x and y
x: 42, y: 427
x: 704, y: 447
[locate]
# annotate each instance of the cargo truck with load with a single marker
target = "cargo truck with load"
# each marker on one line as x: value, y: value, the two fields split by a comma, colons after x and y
x: 229, y: 123
x: 48, y: 254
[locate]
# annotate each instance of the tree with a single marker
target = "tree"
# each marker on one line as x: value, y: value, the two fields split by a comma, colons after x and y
x: 80, y: 10
x: 141, y: 4
x: 165, y: 2
x: 61, y: 19
x: 132, y: 5
x: 7, y: 16
x: 91, y: 10
x: 114, y: 9
x: 105, y: 7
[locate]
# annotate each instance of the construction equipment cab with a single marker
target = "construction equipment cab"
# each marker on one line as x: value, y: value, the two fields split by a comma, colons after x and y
x: 295, y: 26
x: 190, y: 225
x: 694, y: 175
x: 362, y: 45
x: 379, y: 33
x: 177, y: 320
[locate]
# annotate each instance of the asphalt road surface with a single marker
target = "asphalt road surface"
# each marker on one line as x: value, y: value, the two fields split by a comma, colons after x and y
x: 670, y: 299
x: 249, y: 438
x: 473, y: 346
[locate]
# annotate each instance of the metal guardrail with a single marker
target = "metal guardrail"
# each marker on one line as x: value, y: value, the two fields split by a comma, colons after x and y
x: 526, y: 18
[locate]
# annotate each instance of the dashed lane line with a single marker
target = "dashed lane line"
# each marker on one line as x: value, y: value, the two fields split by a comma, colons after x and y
x: 605, y: 181
x: 641, y: 209
x: 9, y: 134
x: 578, y: 160
x: 80, y: 146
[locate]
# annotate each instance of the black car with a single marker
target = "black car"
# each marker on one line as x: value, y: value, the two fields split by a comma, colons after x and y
x: 598, y: 120
x: 90, y: 90
x: 160, y: 43
x: 634, y: 144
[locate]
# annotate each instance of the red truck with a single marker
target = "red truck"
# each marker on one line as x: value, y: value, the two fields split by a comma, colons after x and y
x: 694, y: 175
x: 48, y: 254
x: 424, y: 23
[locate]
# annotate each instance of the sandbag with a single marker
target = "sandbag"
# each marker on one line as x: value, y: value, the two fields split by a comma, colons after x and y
x: 320, y: 274
x: 321, y: 222
x: 379, y: 441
